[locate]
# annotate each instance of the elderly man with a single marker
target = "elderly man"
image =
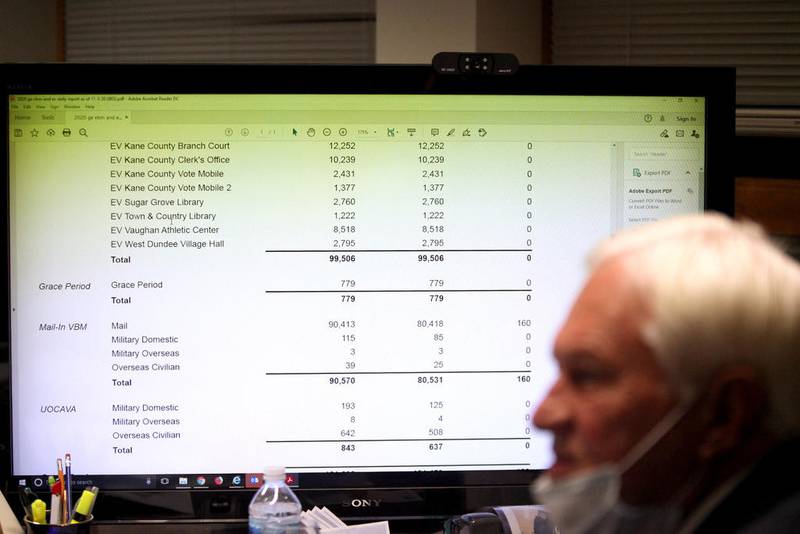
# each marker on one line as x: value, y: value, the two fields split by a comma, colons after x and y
x: 677, y: 405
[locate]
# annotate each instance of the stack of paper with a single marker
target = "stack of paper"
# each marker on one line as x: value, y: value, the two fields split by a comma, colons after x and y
x: 330, y: 524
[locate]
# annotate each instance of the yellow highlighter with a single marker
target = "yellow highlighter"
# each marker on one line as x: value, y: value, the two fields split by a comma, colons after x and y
x: 39, y: 511
x: 83, y: 510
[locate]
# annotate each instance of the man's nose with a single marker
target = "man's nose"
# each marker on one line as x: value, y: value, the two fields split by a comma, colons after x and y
x: 553, y: 412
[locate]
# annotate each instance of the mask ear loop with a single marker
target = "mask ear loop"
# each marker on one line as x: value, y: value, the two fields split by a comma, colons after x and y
x: 660, y: 517
x: 611, y: 474
x: 654, y: 435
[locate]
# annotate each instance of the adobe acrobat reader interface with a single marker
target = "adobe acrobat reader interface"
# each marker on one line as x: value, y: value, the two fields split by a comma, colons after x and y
x: 205, y: 283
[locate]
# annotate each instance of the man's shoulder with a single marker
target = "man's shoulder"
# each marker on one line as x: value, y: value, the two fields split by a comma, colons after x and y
x: 785, y: 517
x: 766, y: 500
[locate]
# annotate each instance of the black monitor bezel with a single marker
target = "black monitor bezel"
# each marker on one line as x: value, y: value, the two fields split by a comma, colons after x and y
x: 412, y: 493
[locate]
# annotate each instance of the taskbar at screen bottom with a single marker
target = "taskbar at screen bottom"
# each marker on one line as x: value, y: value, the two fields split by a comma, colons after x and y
x: 39, y: 483
x: 304, y: 480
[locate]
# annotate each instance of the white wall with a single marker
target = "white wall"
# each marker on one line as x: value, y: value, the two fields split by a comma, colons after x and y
x: 412, y: 31
x: 407, y: 31
x: 511, y: 26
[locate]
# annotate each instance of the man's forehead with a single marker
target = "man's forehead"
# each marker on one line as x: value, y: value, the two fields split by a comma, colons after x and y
x: 606, y: 316
x: 611, y: 290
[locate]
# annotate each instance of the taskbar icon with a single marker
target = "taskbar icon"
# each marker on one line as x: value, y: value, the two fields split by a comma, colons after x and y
x: 256, y: 480
x: 204, y: 481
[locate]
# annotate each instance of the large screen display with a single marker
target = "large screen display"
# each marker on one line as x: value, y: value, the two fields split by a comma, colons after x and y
x: 201, y: 285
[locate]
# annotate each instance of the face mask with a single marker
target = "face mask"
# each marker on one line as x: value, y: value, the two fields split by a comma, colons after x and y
x: 591, y: 499
x: 579, y: 502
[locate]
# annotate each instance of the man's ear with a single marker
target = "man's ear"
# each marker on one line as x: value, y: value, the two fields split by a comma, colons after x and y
x: 736, y: 402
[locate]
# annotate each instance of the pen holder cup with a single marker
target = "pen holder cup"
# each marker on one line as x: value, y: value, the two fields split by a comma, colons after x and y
x: 82, y: 527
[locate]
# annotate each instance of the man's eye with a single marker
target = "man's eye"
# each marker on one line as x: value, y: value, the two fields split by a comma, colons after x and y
x: 587, y: 377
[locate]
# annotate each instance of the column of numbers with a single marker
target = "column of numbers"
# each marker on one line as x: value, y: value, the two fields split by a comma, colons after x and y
x: 431, y: 161
x: 525, y: 323
x: 342, y: 161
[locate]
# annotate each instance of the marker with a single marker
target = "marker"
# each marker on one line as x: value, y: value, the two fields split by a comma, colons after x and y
x: 68, y: 489
x: 63, y: 514
x: 39, y: 511
x: 55, y: 504
x: 83, y: 510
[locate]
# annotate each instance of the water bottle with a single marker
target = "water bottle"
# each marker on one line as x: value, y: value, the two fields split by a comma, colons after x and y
x: 275, y: 509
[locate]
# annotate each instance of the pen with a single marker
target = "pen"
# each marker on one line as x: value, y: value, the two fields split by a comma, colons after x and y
x: 83, y: 510
x: 38, y: 511
x: 55, y: 504
x: 68, y: 489
x: 61, y: 481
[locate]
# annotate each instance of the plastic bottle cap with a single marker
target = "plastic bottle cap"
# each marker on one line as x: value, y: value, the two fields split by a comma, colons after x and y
x: 275, y: 473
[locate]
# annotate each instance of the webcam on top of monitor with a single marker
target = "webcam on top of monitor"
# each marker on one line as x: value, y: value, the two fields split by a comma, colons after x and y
x: 475, y: 63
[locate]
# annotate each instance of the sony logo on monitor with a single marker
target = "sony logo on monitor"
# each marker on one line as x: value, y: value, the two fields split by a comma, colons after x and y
x: 362, y: 503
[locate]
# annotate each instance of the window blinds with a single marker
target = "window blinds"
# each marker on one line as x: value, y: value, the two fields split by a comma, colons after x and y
x: 760, y: 38
x: 197, y: 31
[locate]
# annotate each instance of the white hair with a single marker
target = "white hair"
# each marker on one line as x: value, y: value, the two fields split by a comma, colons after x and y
x: 719, y: 293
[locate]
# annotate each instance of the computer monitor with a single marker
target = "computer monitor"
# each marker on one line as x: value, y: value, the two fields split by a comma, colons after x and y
x: 353, y: 272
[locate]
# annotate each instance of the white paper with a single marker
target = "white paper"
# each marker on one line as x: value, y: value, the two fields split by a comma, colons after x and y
x: 378, y: 527
x: 334, y: 519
